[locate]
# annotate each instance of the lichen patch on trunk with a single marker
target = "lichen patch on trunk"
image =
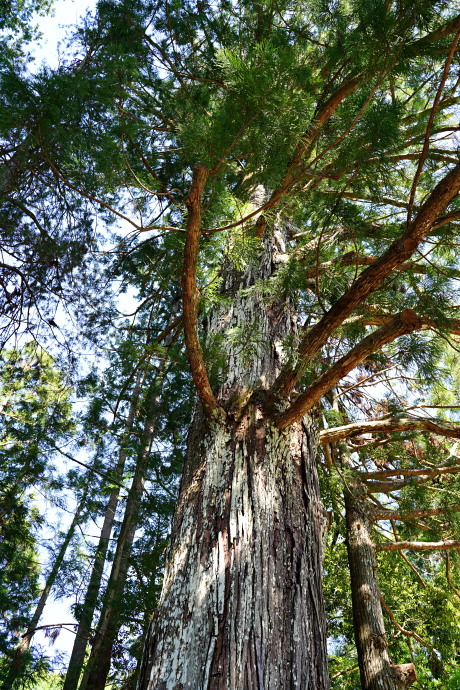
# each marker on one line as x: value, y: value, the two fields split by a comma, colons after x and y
x: 242, y: 604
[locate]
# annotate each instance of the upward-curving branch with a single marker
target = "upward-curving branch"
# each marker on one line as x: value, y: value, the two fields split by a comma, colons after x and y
x: 190, y: 296
x: 401, y: 324
x: 373, y: 276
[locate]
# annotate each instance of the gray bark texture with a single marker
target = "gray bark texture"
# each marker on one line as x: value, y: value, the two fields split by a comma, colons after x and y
x: 241, y: 606
x: 375, y: 666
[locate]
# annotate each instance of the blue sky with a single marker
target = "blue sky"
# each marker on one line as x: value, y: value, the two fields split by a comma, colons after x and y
x: 67, y: 13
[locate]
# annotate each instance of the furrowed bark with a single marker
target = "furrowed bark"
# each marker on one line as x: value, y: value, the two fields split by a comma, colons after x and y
x: 398, y: 253
x: 190, y: 296
x: 241, y: 606
x: 401, y: 324
x: 376, y: 669
x: 386, y: 426
x: 17, y: 664
x: 84, y: 625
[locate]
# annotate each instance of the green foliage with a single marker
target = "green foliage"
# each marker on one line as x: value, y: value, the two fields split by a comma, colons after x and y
x: 147, y: 90
x: 36, y: 414
x: 16, y: 27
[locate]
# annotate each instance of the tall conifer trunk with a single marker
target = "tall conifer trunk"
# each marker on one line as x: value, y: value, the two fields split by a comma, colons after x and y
x: 95, y: 675
x: 375, y: 666
x: 77, y: 657
x: 242, y: 606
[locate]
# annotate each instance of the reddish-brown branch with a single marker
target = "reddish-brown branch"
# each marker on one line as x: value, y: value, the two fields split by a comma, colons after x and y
x: 348, y: 259
x: 419, y: 545
x: 393, y: 424
x: 449, y: 28
x: 409, y: 633
x: 451, y: 585
x: 451, y: 325
x: 426, y: 143
x: 401, y: 324
x: 353, y: 259
x: 398, y: 253
x: 447, y: 218
x: 190, y: 295
x: 379, y: 484
x: 295, y: 166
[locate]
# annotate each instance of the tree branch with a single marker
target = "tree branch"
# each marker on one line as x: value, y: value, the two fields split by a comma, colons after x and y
x: 410, y: 472
x: 381, y: 484
x: 397, y: 254
x: 384, y: 514
x: 419, y: 545
x: 190, y: 296
x: 393, y: 424
x: 292, y: 172
x: 450, y: 27
x: 403, y: 323
x: 429, y: 126
x: 451, y: 585
x: 451, y: 325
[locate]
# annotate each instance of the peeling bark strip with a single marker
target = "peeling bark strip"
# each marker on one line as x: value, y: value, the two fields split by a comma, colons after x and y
x: 190, y: 295
x: 242, y: 605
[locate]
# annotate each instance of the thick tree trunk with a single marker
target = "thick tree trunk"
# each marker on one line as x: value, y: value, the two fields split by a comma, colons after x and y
x: 17, y: 665
x: 83, y: 631
x: 241, y: 606
x: 242, y: 601
x: 375, y: 666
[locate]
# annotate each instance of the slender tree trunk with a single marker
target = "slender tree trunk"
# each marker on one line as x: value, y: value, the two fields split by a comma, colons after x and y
x: 81, y: 639
x: 375, y: 666
x: 98, y: 668
x: 17, y: 664
x: 241, y: 606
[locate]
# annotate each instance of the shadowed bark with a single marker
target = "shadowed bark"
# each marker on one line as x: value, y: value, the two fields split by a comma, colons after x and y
x: 375, y: 666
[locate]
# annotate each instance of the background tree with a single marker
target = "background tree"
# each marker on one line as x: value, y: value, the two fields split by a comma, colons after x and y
x: 35, y: 416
